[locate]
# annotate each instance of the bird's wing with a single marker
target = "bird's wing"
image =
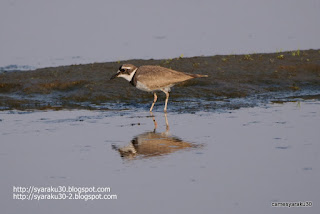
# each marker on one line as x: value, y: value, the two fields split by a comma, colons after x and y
x: 156, y: 77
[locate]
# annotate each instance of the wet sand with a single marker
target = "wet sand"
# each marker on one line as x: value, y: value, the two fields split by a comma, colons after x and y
x: 238, y: 161
x: 232, y: 78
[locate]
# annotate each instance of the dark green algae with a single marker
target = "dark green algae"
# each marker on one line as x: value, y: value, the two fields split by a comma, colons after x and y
x: 233, y: 81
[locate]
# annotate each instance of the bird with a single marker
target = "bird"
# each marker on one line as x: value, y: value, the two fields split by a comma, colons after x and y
x: 153, y: 78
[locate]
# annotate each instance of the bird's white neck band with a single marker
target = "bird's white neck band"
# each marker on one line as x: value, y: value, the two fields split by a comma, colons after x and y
x: 128, y: 77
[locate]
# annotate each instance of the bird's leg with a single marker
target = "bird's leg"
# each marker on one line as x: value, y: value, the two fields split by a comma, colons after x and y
x: 167, y: 98
x: 154, y: 101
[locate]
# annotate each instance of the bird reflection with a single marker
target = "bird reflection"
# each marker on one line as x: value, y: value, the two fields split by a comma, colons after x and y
x: 152, y: 144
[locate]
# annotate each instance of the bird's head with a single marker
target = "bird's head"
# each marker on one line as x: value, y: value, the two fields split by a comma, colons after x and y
x: 125, y: 71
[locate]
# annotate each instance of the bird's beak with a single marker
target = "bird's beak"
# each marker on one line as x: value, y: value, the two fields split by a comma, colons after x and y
x: 115, y: 75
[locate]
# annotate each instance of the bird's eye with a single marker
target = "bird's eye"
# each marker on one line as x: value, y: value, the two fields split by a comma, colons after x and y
x: 122, y: 70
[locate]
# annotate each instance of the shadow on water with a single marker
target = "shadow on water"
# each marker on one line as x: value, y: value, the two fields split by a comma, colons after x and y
x: 153, y: 144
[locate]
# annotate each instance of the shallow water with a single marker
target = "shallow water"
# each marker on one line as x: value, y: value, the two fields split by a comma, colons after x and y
x: 238, y: 161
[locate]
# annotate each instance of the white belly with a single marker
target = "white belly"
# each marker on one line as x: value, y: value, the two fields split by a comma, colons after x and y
x: 142, y: 87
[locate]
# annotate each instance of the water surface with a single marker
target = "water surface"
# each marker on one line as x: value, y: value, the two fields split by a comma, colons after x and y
x: 237, y: 161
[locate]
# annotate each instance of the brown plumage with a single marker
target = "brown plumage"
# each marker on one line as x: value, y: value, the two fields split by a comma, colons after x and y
x: 153, y: 78
x: 157, y: 78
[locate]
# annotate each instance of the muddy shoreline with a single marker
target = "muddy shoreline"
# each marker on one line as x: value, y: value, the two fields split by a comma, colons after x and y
x: 260, y: 77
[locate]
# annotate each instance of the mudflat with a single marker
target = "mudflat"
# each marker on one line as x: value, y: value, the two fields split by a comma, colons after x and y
x: 272, y: 77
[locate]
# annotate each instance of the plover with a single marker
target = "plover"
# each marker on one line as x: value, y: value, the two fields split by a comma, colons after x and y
x: 153, y: 78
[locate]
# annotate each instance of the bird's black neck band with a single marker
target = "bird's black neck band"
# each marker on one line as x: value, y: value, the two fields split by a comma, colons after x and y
x: 133, y: 80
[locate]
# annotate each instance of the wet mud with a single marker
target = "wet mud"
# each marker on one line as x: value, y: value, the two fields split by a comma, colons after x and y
x: 234, y: 81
